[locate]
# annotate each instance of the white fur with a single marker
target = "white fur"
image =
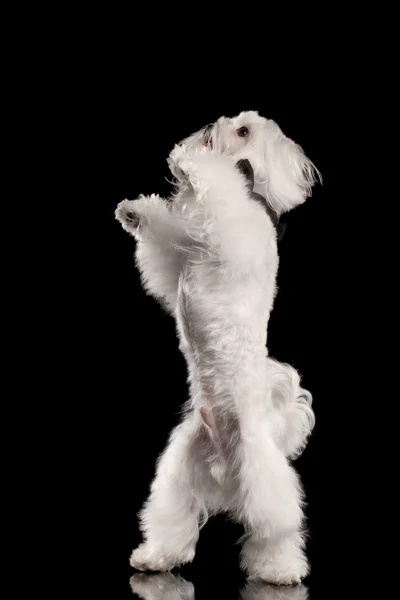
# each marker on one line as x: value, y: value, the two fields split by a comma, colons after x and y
x: 167, y: 586
x: 210, y: 256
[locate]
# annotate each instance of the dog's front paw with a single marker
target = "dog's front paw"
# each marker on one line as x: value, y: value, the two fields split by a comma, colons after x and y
x: 128, y: 216
x: 179, y: 162
x: 182, y: 160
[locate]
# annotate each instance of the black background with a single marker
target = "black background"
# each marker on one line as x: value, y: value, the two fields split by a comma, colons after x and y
x: 134, y: 375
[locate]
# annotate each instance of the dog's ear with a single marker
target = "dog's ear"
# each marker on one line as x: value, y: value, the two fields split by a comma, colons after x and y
x: 289, y: 173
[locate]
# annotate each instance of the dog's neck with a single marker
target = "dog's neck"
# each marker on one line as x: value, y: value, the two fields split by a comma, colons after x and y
x: 273, y: 215
x: 246, y: 169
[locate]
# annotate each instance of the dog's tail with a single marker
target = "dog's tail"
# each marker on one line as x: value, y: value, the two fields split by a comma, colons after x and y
x: 289, y: 409
x: 293, y: 416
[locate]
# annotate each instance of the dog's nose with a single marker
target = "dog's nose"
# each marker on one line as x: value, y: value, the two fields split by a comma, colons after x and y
x: 207, y: 131
x: 207, y: 134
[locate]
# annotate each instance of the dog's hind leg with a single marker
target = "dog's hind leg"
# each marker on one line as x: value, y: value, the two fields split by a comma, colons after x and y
x: 270, y: 507
x: 170, y: 518
x: 279, y: 560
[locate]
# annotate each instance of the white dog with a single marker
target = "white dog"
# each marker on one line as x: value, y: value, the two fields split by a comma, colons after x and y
x: 210, y: 256
x: 172, y: 587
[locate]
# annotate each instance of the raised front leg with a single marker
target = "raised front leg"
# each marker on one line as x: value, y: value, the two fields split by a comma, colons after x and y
x: 221, y: 217
x: 148, y: 217
x: 206, y: 171
x: 151, y: 221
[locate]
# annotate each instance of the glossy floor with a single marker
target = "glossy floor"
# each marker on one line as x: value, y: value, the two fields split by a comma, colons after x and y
x: 174, y: 586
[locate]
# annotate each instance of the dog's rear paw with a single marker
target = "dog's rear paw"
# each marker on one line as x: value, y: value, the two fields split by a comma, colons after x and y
x: 144, y: 558
x: 278, y: 576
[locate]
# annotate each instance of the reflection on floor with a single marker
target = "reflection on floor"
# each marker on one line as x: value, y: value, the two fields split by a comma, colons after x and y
x: 167, y: 586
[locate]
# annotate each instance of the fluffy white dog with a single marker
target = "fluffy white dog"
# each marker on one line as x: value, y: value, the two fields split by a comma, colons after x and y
x: 173, y: 587
x: 210, y: 256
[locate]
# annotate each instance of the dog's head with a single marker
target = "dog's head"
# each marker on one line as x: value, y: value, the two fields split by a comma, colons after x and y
x: 283, y: 173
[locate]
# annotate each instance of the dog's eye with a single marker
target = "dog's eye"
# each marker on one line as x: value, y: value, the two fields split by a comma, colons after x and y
x: 243, y: 132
